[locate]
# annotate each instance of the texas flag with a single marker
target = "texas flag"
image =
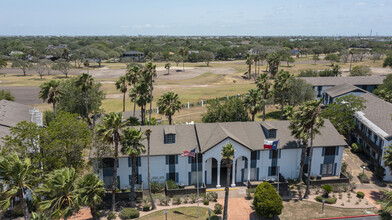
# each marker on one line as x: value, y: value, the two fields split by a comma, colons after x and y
x: 270, y: 144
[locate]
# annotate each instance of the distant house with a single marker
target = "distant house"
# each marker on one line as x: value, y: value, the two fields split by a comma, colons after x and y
x: 332, y: 93
x: 11, y: 113
x: 193, y: 52
x: 295, y: 51
x: 133, y: 55
x: 60, y: 46
x: 368, y: 83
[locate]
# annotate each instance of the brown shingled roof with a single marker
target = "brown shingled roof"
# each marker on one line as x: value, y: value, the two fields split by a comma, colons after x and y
x: 342, y: 89
x: 354, y: 80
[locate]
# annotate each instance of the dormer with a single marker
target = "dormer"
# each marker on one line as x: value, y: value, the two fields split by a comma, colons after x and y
x: 269, y: 130
x: 169, y: 133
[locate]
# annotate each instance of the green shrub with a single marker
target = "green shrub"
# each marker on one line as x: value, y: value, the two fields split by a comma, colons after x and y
x: 185, y: 199
x: 111, y: 216
x: 344, y: 167
x: 192, y: 198
x: 206, y: 201
x: 327, y: 189
x: 171, y: 184
x: 129, y: 213
x: 326, y: 73
x: 6, y: 95
x: 379, y: 172
x: 308, y: 73
x: 327, y: 200
x: 177, y: 200
x: 356, y: 147
x: 157, y: 187
x: 360, y: 194
x: 363, y: 178
x: 218, y: 208
x: 146, y: 207
x: 267, y: 202
x: 164, y: 201
x: 212, y: 196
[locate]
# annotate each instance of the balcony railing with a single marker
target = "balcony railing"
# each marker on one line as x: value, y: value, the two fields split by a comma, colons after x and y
x: 369, y: 141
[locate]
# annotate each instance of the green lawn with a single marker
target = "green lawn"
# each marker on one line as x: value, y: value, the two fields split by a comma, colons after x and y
x: 180, y: 213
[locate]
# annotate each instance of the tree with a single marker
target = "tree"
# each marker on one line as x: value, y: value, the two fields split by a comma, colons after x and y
x: 132, y: 146
x: 90, y: 190
x: 168, y: 104
x: 264, y: 86
x: 3, y: 63
x: 336, y: 70
x: 48, y: 65
x: 333, y: 58
x: 40, y: 68
x: 51, y: 92
x: 232, y: 109
x: 73, y: 98
x: 360, y: 71
x: 122, y: 85
x: 249, y: 62
x: 132, y: 75
x: 59, y: 193
x: 326, y: 73
x: 140, y: 95
x: 315, y: 58
x: 227, y: 158
x: 24, y: 65
x: 63, y: 66
x: 273, y: 60
x: 177, y: 59
x: 267, y: 202
x: 254, y: 102
x: 182, y: 52
x: 148, y: 134
x: 308, y: 73
x: 206, y: 57
x: 16, y: 174
x: 387, y: 61
x: 281, y: 87
x: 109, y: 130
x: 97, y: 54
x: 386, y: 204
x: 85, y: 83
x: 148, y: 73
x: 299, y: 91
x: 167, y: 66
x: 304, y: 124
x: 341, y: 112
x: 6, y: 95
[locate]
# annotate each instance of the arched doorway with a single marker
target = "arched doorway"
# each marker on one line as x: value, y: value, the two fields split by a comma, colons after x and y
x: 224, y: 172
x: 211, y: 172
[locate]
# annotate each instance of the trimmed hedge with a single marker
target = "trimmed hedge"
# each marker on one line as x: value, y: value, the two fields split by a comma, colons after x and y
x: 267, y: 202
x: 360, y: 194
x: 129, y: 213
x: 327, y: 200
x: 363, y: 178
x: 218, y: 208
x: 146, y: 207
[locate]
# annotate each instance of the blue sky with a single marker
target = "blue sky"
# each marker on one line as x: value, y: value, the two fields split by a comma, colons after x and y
x: 197, y: 17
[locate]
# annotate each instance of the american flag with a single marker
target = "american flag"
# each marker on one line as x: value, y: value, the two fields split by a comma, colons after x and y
x: 189, y: 153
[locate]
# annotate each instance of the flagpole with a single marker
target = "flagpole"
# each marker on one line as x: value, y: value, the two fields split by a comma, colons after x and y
x: 277, y: 163
x: 197, y: 183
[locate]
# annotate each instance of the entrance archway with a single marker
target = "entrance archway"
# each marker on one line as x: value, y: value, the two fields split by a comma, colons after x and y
x: 224, y: 173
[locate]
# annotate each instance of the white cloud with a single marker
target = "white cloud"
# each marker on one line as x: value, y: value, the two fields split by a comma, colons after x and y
x: 142, y: 26
x: 300, y: 6
x: 360, y: 4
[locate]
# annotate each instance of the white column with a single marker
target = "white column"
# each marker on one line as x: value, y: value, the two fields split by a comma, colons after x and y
x: 203, y: 174
x: 233, y: 173
x: 248, y: 168
x: 218, y: 177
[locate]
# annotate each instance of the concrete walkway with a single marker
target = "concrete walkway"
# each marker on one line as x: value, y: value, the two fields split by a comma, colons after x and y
x: 239, y: 208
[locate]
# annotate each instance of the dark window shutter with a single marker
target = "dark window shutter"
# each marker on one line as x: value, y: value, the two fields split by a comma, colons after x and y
x: 337, y: 150
x: 270, y: 154
x: 174, y: 138
x: 189, y: 178
x: 176, y: 159
x: 269, y: 171
x: 280, y: 153
x: 258, y: 154
x: 140, y: 178
x: 323, y: 151
x: 130, y: 180
x: 118, y: 163
x: 118, y: 182
x: 189, y: 160
x: 257, y: 174
x: 246, y: 163
x: 139, y: 161
x: 100, y: 164
x: 321, y: 169
x: 165, y: 139
x: 334, y: 169
x: 167, y: 176
x: 167, y: 159
x: 176, y: 178
x: 129, y: 162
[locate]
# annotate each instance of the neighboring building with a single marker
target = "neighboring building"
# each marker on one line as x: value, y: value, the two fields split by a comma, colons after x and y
x: 368, y: 83
x: 332, y: 93
x: 251, y: 161
x: 193, y: 51
x: 11, y: 113
x: 60, y: 46
x: 133, y: 55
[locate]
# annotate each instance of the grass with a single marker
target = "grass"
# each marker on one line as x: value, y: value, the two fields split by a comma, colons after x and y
x: 180, y: 213
x: 311, y: 210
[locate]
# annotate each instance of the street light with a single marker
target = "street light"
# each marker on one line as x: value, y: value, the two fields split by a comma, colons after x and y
x: 166, y: 214
x: 363, y: 168
x: 322, y: 210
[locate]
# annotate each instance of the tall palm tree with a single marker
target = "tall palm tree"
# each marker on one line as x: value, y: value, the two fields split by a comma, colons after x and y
x: 273, y: 60
x: 168, y: 104
x: 249, y: 62
x: 227, y: 157
x: 388, y: 157
x: 148, y: 134
x: 132, y: 146
x: 281, y: 87
x: 167, y: 66
x: 150, y: 72
x: 122, y: 85
x: 90, y: 190
x: 386, y: 203
x: 132, y: 76
x: 109, y: 130
x: 264, y: 86
x: 304, y: 124
x: 85, y: 83
x: 182, y: 52
x: 254, y: 102
x: 256, y: 59
x: 59, y: 192
x: 50, y: 92
x: 351, y: 52
x: 140, y: 95
x: 16, y: 174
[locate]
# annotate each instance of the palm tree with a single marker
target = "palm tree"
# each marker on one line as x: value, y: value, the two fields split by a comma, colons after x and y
x: 351, y: 52
x: 140, y: 95
x: 249, y: 62
x: 51, y: 92
x: 304, y: 124
x: 227, y: 157
x: 121, y: 84
x: 148, y: 134
x: 256, y: 59
x: 59, y: 192
x: 131, y: 146
x: 167, y: 66
x: 109, y: 130
x: 90, y: 190
x: 85, y: 83
x: 182, y: 52
x: 386, y: 203
x: 149, y: 73
x: 264, y: 86
x: 168, y: 104
x: 132, y: 76
x: 273, y: 60
x: 254, y: 102
x: 281, y: 87
x: 15, y: 174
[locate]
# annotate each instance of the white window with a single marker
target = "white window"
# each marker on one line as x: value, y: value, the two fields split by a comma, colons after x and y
x: 327, y: 169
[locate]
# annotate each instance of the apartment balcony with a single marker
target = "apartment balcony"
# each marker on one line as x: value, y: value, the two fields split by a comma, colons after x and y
x: 369, y: 141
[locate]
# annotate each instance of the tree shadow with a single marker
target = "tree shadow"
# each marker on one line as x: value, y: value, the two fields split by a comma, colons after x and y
x: 254, y: 216
x: 274, y: 115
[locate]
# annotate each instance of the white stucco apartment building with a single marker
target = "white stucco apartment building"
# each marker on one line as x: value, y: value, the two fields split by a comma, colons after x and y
x: 251, y: 161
